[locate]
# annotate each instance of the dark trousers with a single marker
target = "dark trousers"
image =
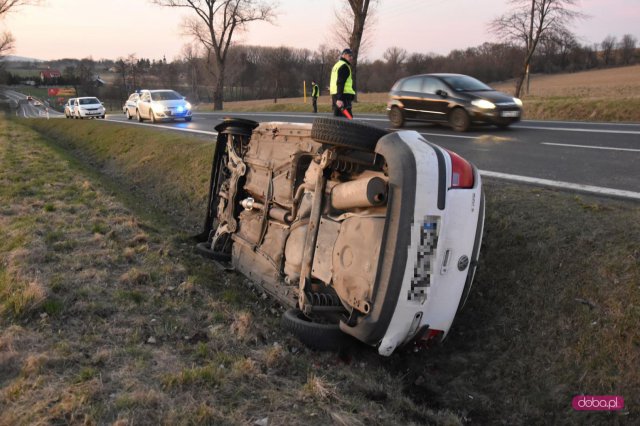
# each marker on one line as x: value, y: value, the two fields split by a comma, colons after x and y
x: 346, y: 99
x: 314, y: 102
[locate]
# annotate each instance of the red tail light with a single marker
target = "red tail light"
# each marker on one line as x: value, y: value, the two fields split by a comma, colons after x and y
x: 461, y: 172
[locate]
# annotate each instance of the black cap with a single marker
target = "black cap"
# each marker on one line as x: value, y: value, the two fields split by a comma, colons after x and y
x: 347, y: 51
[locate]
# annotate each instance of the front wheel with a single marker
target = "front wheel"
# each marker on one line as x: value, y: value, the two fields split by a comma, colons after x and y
x: 187, y: 119
x: 396, y: 117
x: 459, y: 120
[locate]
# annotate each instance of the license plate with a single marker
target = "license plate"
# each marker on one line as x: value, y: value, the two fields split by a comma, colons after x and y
x: 510, y: 113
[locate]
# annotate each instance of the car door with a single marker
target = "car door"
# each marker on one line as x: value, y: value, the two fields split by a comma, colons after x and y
x: 434, y: 102
x: 76, y: 108
x: 410, y: 94
x: 144, y: 103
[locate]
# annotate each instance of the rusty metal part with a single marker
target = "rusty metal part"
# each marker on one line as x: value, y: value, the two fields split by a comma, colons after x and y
x: 365, y: 192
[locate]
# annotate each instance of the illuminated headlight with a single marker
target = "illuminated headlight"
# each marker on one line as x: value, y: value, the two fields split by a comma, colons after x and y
x: 483, y: 103
x: 188, y: 106
x: 517, y: 101
x: 180, y: 108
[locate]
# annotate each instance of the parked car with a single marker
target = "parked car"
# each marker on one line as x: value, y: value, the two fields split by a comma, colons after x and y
x: 359, y: 232
x: 88, y: 107
x: 68, y: 108
x: 157, y: 105
x: 455, y: 99
x: 29, y: 98
x: 130, y: 105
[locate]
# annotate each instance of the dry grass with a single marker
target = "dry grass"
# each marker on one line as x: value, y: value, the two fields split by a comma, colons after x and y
x: 553, y: 314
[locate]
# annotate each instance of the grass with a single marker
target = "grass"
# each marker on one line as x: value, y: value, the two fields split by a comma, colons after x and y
x: 139, y: 329
x: 598, y: 95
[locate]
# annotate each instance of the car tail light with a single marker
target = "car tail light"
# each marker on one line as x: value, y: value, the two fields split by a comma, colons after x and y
x: 461, y: 172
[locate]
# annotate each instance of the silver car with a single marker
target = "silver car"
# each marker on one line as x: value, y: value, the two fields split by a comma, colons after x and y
x: 157, y: 105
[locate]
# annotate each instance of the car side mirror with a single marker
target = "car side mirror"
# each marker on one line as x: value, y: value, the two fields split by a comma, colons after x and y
x: 442, y: 93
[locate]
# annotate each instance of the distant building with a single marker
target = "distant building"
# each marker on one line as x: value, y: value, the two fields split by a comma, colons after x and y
x: 50, y: 76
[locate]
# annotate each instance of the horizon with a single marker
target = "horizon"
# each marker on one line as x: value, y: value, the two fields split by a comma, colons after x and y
x: 409, y: 24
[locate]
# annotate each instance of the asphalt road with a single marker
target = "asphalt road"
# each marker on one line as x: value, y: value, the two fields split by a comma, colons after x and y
x: 599, y: 158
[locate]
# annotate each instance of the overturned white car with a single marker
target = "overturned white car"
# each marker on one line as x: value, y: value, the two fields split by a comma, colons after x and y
x: 360, y: 232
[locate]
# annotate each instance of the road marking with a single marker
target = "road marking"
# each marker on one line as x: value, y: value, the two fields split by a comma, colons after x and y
x: 449, y: 136
x: 133, y: 123
x: 598, y: 190
x: 568, y: 129
x: 591, y: 147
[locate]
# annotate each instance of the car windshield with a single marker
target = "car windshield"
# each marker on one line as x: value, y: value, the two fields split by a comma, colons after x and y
x: 168, y: 95
x: 88, y: 101
x: 463, y: 83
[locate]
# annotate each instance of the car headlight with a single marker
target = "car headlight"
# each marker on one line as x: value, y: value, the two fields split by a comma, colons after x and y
x: 517, y: 101
x: 188, y: 106
x: 483, y: 103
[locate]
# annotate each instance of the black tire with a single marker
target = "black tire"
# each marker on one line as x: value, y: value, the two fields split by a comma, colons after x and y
x: 396, y: 117
x: 187, y: 119
x: 347, y: 134
x: 138, y: 116
x: 322, y: 337
x: 503, y: 126
x: 459, y: 120
x: 205, y: 250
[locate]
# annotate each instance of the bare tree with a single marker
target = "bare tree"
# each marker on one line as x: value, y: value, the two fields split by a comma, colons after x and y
x: 531, y: 20
x: 214, y: 25
x: 6, y: 6
x: 607, y: 46
x: 351, y: 29
x: 627, y: 48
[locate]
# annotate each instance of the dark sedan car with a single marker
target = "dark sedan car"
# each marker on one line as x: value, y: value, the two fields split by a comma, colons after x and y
x: 456, y: 99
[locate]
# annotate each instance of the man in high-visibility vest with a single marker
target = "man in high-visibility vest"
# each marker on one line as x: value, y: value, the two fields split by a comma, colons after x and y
x: 341, y: 84
x: 315, y: 92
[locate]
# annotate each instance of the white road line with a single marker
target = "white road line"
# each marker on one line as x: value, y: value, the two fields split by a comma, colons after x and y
x: 590, y: 147
x: 133, y: 123
x: 598, y: 190
x: 568, y: 129
x: 449, y: 136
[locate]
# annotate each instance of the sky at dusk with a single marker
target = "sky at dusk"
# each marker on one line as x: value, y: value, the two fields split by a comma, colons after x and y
x: 116, y: 28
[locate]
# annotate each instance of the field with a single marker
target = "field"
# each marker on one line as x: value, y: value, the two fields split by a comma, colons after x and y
x: 107, y: 315
x: 600, y: 95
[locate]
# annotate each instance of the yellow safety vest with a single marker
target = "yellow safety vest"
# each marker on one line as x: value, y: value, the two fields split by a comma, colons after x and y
x: 315, y: 91
x: 348, y: 85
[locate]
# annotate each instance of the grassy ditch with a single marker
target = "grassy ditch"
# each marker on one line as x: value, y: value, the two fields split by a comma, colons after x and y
x: 120, y: 321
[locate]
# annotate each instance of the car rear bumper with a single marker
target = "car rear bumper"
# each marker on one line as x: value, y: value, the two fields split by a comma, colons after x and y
x: 429, y: 229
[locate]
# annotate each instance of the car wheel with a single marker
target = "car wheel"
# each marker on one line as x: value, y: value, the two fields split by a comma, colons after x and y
x: 396, y: 117
x: 187, y: 119
x: 138, y: 116
x: 503, y: 126
x: 322, y: 337
x: 129, y: 117
x: 459, y: 120
x: 152, y: 116
x: 347, y: 134
x: 102, y: 116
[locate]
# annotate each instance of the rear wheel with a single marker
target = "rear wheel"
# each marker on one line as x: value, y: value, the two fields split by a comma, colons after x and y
x: 322, y: 337
x: 396, y: 117
x: 347, y: 134
x: 459, y: 120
